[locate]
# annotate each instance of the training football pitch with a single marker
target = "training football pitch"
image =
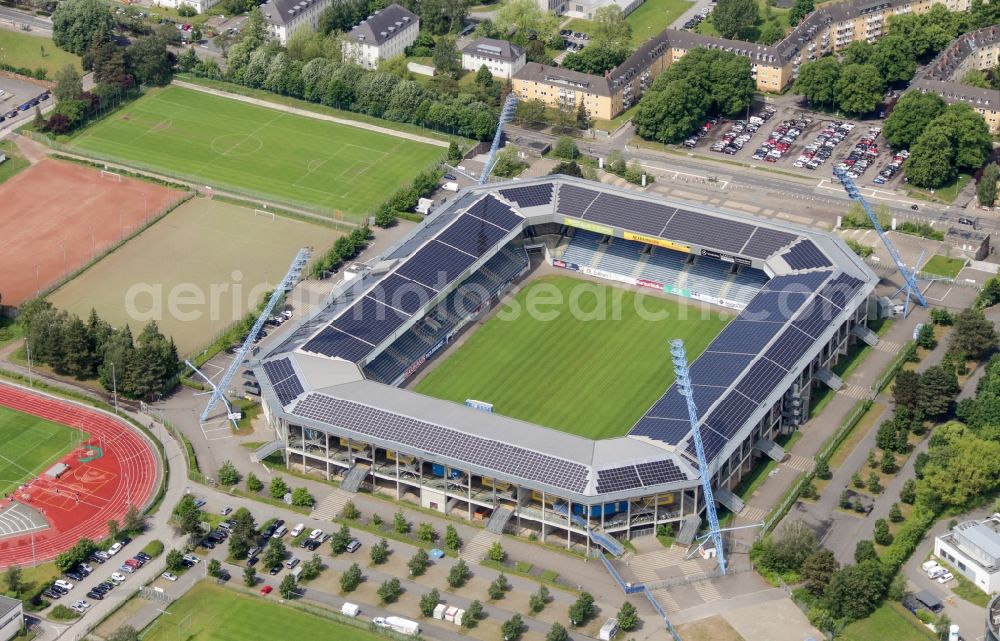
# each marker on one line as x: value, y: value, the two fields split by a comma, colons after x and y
x: 590, y: 360
x: 30, y: 445
x: 260, y: 151
x: 208, y: 612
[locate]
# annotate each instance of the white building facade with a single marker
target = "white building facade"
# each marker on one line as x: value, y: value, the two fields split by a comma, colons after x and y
x: 200, y: 6
x: 502, y: 58
x: 11, y: 617
x: 285, y: 17
x: 384, y: 34
x: 973, y: 548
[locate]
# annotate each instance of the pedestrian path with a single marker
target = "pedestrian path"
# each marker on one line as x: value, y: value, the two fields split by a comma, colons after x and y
x: 799, y: 463
x: 859, y: 392
x: 753, y: 514
x: 330, y: 507
x: 890, y: 347
x: 475, y: 550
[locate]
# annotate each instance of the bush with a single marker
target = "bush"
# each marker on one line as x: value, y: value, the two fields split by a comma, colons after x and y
x: 154, y: 548
x: 351, y: 578
x: 228, y: 476
x: 350, y: 511
x: 459, y: 574
x: 566, y: 149
x: 302, y: 498
x: 428, y: 602
x: 390, y: 590
x: 496, y: 553
x: 254, y: 484
x: 278, y: 488
x: 186, y: 11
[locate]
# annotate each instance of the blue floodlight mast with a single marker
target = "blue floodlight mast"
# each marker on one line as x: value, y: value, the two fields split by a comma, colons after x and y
x: 219, y: 390
x: 506, y: 115
x: 684, y: 387
x: 912, y: 289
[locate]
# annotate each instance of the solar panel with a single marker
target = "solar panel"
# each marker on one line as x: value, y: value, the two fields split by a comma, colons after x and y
x: 744, y: 337
x: 789, y: 348
x: 633, y: 214
x: 530, y: 196
x: 278, y: 370
x: 369, y: 320
x: 402, y: 293
x: 765, y: 242
x: 719, y: 369
x: 805, y: 255
x: 492, y: 210
x: 816, y: 317
x: 336, y: 344
x: 667, y: 430
x: 617, y: 479
x: 574, y: 201
x: 802, y: 283
x: 720, y: 233
x: 712, y: 441
x: 773, y: 306
x: 288, y: 390
x: 472, y: 235
x: 760, y: 380
x: 659, y: 472
x: 673, y: 405
x: 731, y: 414
x: 841, y: 290
x: 436, y: 265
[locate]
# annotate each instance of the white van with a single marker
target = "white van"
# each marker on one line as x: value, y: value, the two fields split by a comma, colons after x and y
x: 929, y: 565
x: 298, y: 529
x: 280, y: 532
x: 934, y: 573
x: 350, y: 610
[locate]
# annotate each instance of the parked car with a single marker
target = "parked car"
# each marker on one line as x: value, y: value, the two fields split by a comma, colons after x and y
x: 169, y: 577
x: 114, y: 549
x: 354, y: 546
x: 264, y: 591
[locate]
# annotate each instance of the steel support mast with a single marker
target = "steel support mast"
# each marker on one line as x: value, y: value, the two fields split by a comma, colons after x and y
x: 684, y: 387
x: 912, y: 288
x: 292, y: 277
x: 506, y: 115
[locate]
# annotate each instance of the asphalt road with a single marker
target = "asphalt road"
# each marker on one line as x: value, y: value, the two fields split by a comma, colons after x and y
x: 17, y: 20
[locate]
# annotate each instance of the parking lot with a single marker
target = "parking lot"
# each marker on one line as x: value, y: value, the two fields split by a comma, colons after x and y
x: 807, y: 143
x: 18, y: 99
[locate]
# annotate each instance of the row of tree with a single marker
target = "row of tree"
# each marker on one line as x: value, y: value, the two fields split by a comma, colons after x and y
x: 143, y: 368
x: 702, y: 83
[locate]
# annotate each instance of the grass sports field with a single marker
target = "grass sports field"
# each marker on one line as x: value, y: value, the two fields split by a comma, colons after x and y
x: 226, y: 143
x: 194, y: 272
x: 30, y: 445
x: 574, y: 373
x: 208, y: 612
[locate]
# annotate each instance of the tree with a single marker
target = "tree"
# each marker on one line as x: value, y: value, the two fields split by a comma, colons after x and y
x: 941, y: 316
x: 187, y: 516
x: 451, y: 538
x: 530, y: 112
x: 418, y: 562
x: 459, y: 574
x: 311, y: 568
x: 874, y: 483
x: 893, y: 59
x: 427, y: 533
x: 582, y: 609
x: 870, y: 461
x: 610, y: 27
x: 254, y: 484
x: 974, y: 335
x: 400, y: 524
x: 429, y: 601
x: 888, y: 463
x: 496, y: 552
x: 938, y: 389
x: 856, y: 590
x: 538, y: 600
x: 512, y: 628
x: 484, y: 78
x: 932, y: 160
x: 906, y: 391
x: 800, y: 10
x: 340, y: 539
x: 558, y: 633
x: 857, y: 481
x: 13, y: 577
x: 380, y: 552
x: 817, y: 81
x: 134, y: 521
x: 597, y: 58
x: 672, y: 114
x: 817, y: 569
x: 911, y: 115
x: 986, y: 188
x: 882, y: 535
x: 214, y: 568
x: 895, y: 515
x: 968, y: 135
x: 350, y: 511
x: 565, y: 148
x: 446, y: 58
x: 302, y: 498
x: 151, y: 62
x: 454, y: 153
x: 390, y: 590
x: 124, y: 633
x: 274, y: 554
x: 859, y: 89
x: 498, y: 587
x: 628, y: 617
x: 473, y: 615
x: 864, y: 550
x: 567, y: 169
x: 278, y: 488
x: 351, y: 578
x: 771, y: 33
x: 822, y: 469
x: 228, y: 475
x: 730, y: 17
x: 516, y: 19
x: 925, y: 338
x: 287, y: 587
x: 75, y: 23
x: 249, y: 577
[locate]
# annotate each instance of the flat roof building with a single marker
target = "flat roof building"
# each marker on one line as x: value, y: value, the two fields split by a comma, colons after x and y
x: 11, y: 617
x: 973, y: 549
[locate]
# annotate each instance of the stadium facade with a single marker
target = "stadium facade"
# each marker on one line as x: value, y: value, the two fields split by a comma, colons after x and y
x: 332, y: 388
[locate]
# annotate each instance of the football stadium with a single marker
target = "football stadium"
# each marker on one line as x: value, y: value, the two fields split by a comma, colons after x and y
x: 426, y: 376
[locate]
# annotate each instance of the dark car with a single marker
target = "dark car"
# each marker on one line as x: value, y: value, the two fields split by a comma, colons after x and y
x: 74, y: 575
x: 311, y: 545
x: 913, y: 207
x: 125, y: 540
x: 450, y: 177
x: 52, y: 594
x: 96, y: 559
x: 58, y: 590
x: 207, y: 544
x: 274, y: 570
x: 97, y: 596
x: 278, y: 523
x: 143, y: 556
x: 223, y: 577
x: 252, y: 561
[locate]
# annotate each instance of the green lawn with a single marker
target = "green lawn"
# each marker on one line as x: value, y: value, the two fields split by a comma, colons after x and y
x: 566, y: 367
x: 259, y: 151
x: 890, y: 621
x: 24, y: 50
x: 766, y: 14
x: 208, y: 612
x: 652, y: 17
x: 30, y: 445
x: 943, y: 266
x: 946, y: 194
x: 14, y: 163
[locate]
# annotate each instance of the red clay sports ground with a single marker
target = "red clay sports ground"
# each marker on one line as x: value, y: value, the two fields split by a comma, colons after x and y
x: 116, y: 467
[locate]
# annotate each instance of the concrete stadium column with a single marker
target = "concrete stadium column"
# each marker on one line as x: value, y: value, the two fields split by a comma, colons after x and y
x: 326, y: 442
x: 399, y: 488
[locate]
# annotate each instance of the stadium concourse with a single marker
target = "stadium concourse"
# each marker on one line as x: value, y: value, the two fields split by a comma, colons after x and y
x: 333, y: 389
x: 113, y: 469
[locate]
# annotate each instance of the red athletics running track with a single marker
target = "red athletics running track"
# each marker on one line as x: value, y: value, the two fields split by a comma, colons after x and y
x: 81, y: 502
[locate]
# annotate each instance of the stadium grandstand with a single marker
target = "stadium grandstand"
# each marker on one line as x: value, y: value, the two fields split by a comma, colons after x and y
x: 333, y: 390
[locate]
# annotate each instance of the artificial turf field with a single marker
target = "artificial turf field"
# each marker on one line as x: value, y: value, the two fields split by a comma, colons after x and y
x: 222, y: 614
x: 30, y: 445
x: 587, y: 376
x: 227, y: 143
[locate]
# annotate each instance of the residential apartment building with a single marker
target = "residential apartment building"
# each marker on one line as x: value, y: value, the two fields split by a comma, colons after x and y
x: 829, y: 29
x: 285, y: 17
x: 384, y: 34
x: 501, y: 57
x: 973, y: 548
x: 200, y: 6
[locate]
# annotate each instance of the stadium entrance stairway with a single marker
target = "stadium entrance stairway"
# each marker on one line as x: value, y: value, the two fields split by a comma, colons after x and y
x: 832, y: 381
x: 601, y: 539
x: 355, y: 477
x: 499, y: 519
x: 770, y: 449
x: 728, y: 500
x: 267, y: 449
x: 865, y: 334
x: 689, y: 529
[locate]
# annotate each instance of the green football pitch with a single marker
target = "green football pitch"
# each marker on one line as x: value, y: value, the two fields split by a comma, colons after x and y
x: 592, y: 368
x: 259, y: 151
x: 30, y: 445
x: 208, y: 612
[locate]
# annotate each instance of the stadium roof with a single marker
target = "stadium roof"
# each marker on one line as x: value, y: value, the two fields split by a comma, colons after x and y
x: 816, y: 284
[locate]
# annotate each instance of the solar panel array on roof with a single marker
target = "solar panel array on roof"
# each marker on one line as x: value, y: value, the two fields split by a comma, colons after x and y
x: 841, y: 289
x: 283, y: 379
x: 666, y: 430
x: 489, y: 454
x: 574, y: 201
x: 765, y: 242
x: 617, y: 479
x: 401, y: 293
x: 632, y: 214
x: 711, y: 440
x: 745, y: 337
x: 436, y: 265
x: 773, y: 306
x: 369, y: 320
x: 805, y: 283
x: 530, y: 196
x: 721, y: 233
x: 492, y: 210
x: 336, y: 344
x: 805, y: 255
x: 472, y: 235
x: 760, y: 379
x: 731, y: 414
x: 719, y: 368
x: 789, y: 347
x: 659, y: 472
